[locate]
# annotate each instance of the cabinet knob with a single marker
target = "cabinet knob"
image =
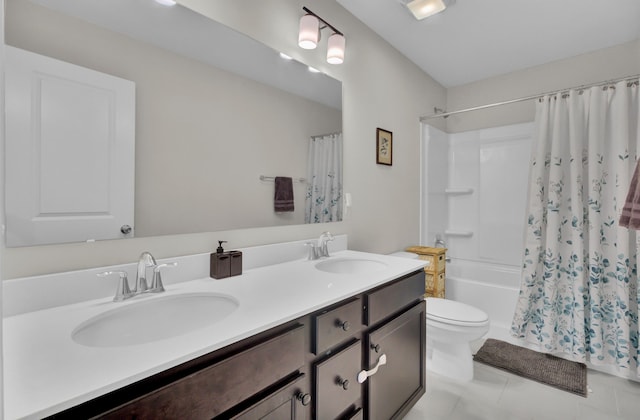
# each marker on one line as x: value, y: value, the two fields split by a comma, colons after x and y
x: 376, y: 347
x: 126, y: 229
x: 344, y: 383
x: 344, y: 325
x: 304, y: 398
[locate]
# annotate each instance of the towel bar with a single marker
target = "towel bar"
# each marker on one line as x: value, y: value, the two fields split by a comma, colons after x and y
x: 273, y: 178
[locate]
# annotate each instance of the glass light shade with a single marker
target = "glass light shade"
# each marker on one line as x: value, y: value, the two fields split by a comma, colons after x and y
x: 309, y: 33
x: 422, y: 9
x: 335, y: 49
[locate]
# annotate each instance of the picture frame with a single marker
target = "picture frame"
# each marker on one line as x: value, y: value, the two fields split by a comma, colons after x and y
x: 384, y: 147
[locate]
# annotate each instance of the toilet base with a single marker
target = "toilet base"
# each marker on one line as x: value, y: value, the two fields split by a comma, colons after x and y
x: 453, y: 361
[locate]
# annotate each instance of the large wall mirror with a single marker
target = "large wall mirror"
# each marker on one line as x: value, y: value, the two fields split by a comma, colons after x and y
x: 214, y: 110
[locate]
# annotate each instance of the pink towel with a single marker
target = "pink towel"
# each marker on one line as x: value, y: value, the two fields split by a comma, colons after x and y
x: 630, y: 217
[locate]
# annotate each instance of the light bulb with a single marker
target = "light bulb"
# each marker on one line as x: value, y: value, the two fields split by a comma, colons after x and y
x: 166, y: 2
x: 335, y: 49
x: 422, y: 9
x: 309, y: 33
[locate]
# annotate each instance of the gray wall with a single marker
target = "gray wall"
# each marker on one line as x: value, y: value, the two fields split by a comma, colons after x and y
x: 606, y: 64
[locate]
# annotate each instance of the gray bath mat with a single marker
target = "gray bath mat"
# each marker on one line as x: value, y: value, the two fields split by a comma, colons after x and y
x: 544, y: 368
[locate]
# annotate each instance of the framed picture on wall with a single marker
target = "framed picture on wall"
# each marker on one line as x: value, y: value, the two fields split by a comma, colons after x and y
x: 384, y: 146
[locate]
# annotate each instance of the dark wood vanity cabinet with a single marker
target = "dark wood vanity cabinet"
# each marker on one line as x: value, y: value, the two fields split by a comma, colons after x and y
x: 398, y: 384
x: 287, y: 402
x: 305, y: 369
x: 391, y: 323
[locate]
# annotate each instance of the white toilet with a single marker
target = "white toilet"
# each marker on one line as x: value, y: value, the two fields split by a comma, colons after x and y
x: 451, y: 326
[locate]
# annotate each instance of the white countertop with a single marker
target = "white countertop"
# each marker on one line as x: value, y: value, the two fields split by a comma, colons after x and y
x: 45, y: 371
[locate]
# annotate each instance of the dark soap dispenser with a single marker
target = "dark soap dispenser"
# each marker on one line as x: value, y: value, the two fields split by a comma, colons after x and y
x: 236, y: 262
x: 220, y: 263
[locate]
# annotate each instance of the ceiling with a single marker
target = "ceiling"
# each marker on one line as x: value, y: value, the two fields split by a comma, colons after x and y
x: 477, y: 39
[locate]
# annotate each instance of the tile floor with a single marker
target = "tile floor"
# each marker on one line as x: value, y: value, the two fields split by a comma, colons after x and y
x: 498, y: 395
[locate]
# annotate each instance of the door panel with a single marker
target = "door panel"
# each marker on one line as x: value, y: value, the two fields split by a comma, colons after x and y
x: 393, y: 389
x: 70, y: 150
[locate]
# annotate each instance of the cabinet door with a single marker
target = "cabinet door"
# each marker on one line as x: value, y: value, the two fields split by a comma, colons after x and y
x: 287, y: 403
x: 399, y: 383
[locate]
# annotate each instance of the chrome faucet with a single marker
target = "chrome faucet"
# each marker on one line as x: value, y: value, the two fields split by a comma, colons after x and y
x: 319, y: 249
x: 145, y: 262
x: 323, y: 240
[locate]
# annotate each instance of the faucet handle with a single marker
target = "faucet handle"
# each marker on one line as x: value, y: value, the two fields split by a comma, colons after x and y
x: 156, y: 283
x: 313, y: 251
x: 123, y: 291
x: 324, y: 239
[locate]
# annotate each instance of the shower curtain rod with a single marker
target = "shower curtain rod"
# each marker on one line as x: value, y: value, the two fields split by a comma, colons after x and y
x: 325, y: 135
x: 525, y: 98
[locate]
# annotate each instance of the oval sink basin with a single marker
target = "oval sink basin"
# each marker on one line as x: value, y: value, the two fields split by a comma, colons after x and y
x: 154, y: 319
x: 351, y: 266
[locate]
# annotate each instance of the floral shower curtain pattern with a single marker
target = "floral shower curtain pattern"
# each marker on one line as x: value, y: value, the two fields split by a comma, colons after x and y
x: 323, y: 201
x: 579, y: 294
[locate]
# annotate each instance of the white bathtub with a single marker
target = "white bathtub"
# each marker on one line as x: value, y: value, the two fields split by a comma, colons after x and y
x: 493, y: 288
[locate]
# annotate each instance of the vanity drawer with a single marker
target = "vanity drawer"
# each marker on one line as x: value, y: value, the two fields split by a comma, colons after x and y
x: 286, y: 403
x: 388, y: 299
x: 336, y: 325
x: 336, y: 382
x: 217, y: 388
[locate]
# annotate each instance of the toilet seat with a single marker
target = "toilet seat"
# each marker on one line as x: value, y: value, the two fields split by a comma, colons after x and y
x: 455, y: 313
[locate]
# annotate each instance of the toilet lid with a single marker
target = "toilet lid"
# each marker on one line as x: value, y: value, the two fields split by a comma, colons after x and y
x: 450, y: 310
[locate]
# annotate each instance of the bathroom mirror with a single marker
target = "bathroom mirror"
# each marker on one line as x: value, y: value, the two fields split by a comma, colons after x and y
x: 215, y: 110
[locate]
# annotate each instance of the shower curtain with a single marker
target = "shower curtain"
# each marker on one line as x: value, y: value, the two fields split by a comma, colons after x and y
x: 323, y: 201
x: 579, y: 293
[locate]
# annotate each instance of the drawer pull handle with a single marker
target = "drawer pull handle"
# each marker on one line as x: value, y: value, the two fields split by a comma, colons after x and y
x: 364, y: 374
x: 304, y: 398
x: 344, y: 383
x: 344, y: 325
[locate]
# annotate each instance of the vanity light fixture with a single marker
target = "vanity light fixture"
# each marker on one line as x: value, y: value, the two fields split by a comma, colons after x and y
x: 422, y: 9
x: 309, y: 36
x: 166, y: 2
x: 309, y: 33
x: 335, y: 49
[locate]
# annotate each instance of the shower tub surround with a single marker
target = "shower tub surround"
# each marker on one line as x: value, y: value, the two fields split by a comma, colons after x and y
x: 479, y: 210
x: 45, y: 371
